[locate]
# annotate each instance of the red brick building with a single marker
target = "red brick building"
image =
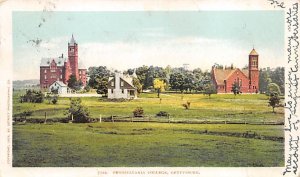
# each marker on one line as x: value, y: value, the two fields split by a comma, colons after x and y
x: 60, y: 69
x: 248, y: 79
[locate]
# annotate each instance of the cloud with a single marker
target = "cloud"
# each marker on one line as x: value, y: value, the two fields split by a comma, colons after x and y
x: 198, y: 52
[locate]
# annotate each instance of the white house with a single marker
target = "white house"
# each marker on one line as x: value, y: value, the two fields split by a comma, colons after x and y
x: 121, y: 86
x: 60, y: 87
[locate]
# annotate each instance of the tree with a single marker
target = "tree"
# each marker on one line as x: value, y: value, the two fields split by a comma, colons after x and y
x: 235, y: 88
x: 96, y: 73
x: 99, y: 79
x: 137, y: 85
x: 189, y: 82
x: 177, y: 81
x: 101, y: 85
x: 274, y: 100
x: 73, y: 83
x: 209, y: 89
x: 80, y: 113
x: 277, y: 76
x: 273, y: 87
x: 141, y: 73
x: 159, y: 85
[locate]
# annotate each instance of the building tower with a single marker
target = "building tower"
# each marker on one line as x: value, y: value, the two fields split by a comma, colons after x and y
x: 73, y: 57
x: 253, y: 71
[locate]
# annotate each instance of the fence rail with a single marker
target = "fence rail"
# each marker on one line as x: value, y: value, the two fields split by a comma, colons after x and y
x: 148, y: 118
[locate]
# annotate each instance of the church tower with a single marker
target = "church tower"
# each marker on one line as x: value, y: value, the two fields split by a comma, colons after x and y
x: 253, y: 71
x: 73, y: 57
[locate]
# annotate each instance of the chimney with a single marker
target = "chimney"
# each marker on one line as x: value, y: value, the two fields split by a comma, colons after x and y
x: 62, y: 55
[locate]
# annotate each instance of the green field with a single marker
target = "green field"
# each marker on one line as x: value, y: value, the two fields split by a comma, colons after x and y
x: 153, y: 144
x: 250, y: 108
x: 146, y: 145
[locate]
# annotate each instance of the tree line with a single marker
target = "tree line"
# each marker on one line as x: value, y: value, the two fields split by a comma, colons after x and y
x: 179, y: 79
x: 154, y: 77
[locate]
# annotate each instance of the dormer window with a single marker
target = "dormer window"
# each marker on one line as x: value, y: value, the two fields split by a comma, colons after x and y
x: 122, y: 83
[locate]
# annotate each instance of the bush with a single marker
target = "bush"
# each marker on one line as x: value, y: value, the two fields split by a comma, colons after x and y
x: 187, y: 105
x: 79, y: 112
x: 32, y: 96
x: 162, y: 114
x: 54, y: 100
x: 138, y: 112
x: 87, y: 88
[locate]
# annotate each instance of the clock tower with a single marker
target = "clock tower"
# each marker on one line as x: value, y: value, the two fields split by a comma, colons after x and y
x: 73, y: 57
x: 253, y: 72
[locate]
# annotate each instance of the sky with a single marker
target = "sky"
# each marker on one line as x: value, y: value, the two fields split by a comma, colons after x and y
x: 129, y: 39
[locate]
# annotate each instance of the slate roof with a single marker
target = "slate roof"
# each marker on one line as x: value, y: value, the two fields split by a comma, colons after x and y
x: 72, y: 42
x: 223, y: 74
x: 60, y: 83
x: 47, y: 61
x: 127, y: 79
x: 253, y: 52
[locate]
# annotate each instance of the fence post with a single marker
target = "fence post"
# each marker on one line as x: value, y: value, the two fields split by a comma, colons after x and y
x: 45, y: 117
x: 112, y: 118
x: 132, y: 118
x: 72, y: 117
x: 100, y: 118
x: 169, y: 118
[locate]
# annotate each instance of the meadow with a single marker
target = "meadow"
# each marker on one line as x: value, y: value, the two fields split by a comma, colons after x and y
x: 150, y: 144
x: 226, y: 107
x: 126, y: 144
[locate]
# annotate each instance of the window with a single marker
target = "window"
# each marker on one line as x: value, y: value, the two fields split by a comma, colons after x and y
x: 60, y: 76
x: 53, y: 70
x: 45, y: 76
x: 45, y: 71
x: 112, y: 84
x: 122, y: 83
x: 122, y: 90
x: 112, y: 91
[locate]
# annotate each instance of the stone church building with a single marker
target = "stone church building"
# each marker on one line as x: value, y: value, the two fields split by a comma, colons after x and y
x: 61, y: 68
x: 248, y: 79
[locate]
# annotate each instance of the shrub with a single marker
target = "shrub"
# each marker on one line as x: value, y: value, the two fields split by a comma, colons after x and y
x: 87, y: 88
x: 162, y: 114
x: 79, y: 112
x: 54, y: 100
x: 138, y: 112
x: 32, y: 96
x: 187, y: 105
x: 274, y: 100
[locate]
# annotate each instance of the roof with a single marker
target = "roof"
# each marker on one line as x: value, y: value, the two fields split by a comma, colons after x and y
x: 253, y: 52
x: 126, y: 78
x: 60, y: 83
x: 223, y: 74
x: 59, y: 61
x: 72, y: 41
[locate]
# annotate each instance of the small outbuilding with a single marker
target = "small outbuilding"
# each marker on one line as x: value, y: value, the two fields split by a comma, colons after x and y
x: 59, y: 87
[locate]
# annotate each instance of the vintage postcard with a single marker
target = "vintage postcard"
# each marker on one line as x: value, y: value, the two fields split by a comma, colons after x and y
x: 149, y: 88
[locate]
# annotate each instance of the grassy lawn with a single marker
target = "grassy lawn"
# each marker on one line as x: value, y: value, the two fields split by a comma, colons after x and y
x: 218, y: 107
x: 145, y: 145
